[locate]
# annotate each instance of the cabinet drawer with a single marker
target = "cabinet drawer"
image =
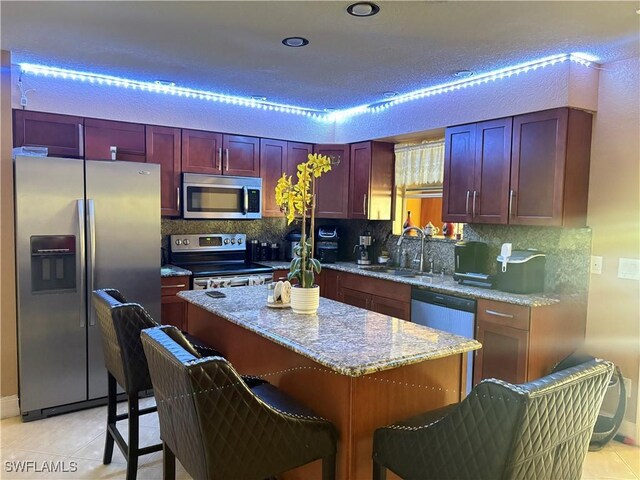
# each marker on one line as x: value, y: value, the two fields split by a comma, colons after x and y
x: 375, y: 286
x: 500, y: 313
x: 172, y: 285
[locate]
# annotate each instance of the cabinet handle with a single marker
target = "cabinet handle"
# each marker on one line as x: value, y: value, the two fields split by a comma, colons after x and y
x: 219, y: 166
x: 114, y: 152
x: 473, y: 204
x: 178, y: 197
x: 81, y: 139
x: 511, y: 194
x: 182, y: 285
x: 466, y: 207
x: 499, y: 314
x: 364, y: 204
x: 226, y: 154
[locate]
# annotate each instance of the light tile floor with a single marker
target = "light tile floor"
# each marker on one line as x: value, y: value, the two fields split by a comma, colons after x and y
x: 76, y: 441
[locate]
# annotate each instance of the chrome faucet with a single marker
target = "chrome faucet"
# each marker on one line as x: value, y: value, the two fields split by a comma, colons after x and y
x: 423, y: 238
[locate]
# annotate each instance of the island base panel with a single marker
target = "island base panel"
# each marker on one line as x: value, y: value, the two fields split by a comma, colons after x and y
x: 355, y: 405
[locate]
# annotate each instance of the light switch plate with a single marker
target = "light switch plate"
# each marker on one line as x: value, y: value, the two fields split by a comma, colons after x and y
x: 629, y: 268
x: 596, y: 265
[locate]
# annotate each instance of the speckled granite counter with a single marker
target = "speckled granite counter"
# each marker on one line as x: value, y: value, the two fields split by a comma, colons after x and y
x: 437, y: 283
x: 173, y: 271
x: 346, y: 339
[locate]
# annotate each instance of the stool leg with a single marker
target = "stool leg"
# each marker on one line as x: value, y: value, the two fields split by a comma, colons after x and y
x: 134, y: 436
x: 168, y: 463
x: 111, y: 417
x: 379, y: 471
x: 329, y: 467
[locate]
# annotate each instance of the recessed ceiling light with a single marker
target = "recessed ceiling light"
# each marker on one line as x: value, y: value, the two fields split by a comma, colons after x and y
x: 463, y: 73
x: 390, y: 94
x: 295, y: 42
x: 259, y: 98
x: 165, y: 83
x: 363, y: 9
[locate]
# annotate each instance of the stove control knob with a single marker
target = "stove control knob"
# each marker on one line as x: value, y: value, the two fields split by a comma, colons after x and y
x: 178, y: 242
x: 239, y: 241
x: 186, y: 241
x: 226, y: 241
x: 233, y: 241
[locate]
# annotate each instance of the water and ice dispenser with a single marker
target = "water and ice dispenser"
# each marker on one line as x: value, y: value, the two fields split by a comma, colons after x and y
x: 53, y: 263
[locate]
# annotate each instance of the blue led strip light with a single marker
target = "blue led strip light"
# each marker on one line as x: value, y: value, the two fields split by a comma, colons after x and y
x: 335, y: 116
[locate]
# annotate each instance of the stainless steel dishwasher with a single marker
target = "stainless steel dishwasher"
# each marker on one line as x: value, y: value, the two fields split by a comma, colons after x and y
x: 448, y: 313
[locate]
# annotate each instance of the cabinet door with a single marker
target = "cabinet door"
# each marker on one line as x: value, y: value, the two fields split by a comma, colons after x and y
x: 537, y: 168
x: 332, y: 189
x: 173, y: 312
x: 354, y: 298
x: 163, y: 148
x: 391, y: 307
x: 359, y: 180
x: 241, y: 156
x: 201, y: 152
x: 490, y: 197
x: 330, y: 284
x: 101, y: 135
x: 61, y: 134
x: 459, y: 159
x: 273, y: 162
x: 504, y: 353
x: 296, y: 154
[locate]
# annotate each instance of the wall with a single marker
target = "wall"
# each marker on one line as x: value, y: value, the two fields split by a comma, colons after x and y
x: 8, y: 340
x: 613, y: 319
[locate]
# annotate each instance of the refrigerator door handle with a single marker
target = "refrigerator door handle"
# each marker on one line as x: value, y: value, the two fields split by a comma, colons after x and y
x: 81, y: 242
x: 91, y: 277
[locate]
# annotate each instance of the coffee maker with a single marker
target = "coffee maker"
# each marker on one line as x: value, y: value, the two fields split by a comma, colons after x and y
x: 364, y: 249
x: 327, y: 244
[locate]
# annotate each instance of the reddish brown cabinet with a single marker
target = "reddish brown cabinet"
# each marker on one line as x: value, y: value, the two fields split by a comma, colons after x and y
x: 173, y: 310
x: 529, y: 169
x: 201, y: 152
x: 163, y: 148
x: 127, y: 139
x: 550, y: 168
x: 273, y: 163
x: 61, y: 134
x: 241, y: 156
x: 297, y: 153
x: 477, y: 166
x: 371, y: 180
x: 332, y: 188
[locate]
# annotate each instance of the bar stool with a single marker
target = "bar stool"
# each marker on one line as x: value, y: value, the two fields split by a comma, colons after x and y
x: 120, y: 326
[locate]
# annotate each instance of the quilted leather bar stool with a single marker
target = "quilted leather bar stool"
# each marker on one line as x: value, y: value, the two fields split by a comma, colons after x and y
x: 219, y: 427
x: 120, y: 326
x: 500, y: 431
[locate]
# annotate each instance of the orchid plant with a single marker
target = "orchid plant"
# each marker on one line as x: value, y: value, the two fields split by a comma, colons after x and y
x: 299, y: 200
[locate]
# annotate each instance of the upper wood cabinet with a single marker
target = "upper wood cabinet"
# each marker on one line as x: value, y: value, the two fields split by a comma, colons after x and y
x: 61, y: 134
x: 297, y: 153
x: 332, y: 188
x: 241, y: 156
x: 273, y: 163
x: 526, y: 170
x: 550, y: 168
x: 163, y: 148
x: 127, y: 138
x: 371, y: 180
x: 201, y: 152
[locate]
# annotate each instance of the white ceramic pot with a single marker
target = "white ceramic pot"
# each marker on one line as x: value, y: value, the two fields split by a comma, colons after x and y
x: 305, y: 300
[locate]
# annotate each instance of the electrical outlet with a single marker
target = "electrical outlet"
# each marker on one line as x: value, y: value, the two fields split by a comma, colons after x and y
x: 596, y: 264
x: 629, y: 268
x: 627, y: 386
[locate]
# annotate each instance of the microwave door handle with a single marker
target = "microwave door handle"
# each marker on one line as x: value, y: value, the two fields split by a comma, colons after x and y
x: 245, y: 200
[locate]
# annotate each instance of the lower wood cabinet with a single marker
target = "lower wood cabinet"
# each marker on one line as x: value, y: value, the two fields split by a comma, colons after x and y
x: 521, y: 344
x: 173, y: 308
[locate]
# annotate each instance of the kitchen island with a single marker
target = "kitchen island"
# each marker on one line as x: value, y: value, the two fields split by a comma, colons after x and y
x: 359, y: 369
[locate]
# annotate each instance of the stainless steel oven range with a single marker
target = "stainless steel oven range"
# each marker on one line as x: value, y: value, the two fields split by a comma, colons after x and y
x: 217, y: 260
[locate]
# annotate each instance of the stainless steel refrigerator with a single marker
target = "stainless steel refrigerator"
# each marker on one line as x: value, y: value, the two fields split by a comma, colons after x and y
x: 80, y: 225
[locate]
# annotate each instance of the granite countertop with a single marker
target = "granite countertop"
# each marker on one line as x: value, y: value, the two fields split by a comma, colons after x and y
x: 438, y: 283
x: 173, y: 271
x: 348, y: 340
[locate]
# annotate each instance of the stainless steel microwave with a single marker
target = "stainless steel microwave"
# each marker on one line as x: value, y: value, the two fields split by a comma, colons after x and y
x: 221, y: 197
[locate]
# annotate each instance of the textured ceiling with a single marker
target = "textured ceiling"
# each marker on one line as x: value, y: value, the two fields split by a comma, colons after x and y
x: 235, y: 47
